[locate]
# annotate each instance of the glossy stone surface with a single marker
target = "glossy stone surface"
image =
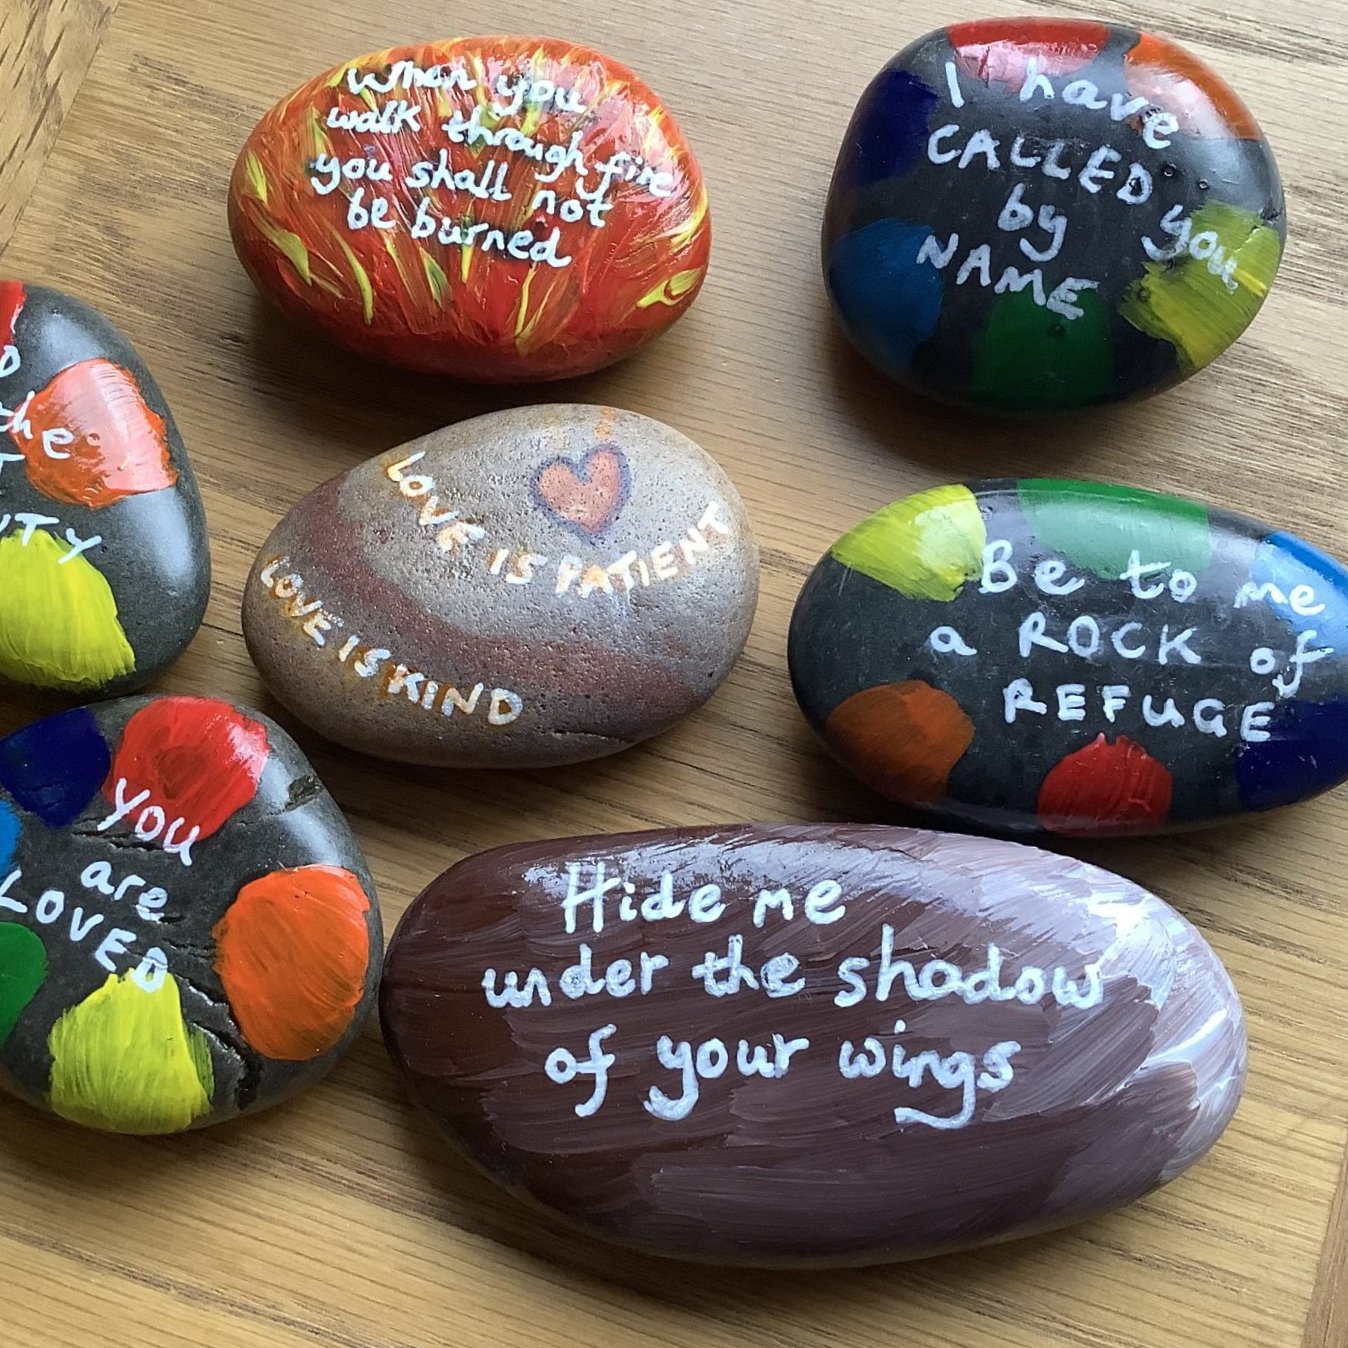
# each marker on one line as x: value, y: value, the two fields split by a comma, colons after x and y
x: 490, y: 208
x: 104, y: 566
x: 537, y: 586
x: 1030, y: 215
x: 786, y: 1044
x: 188, y: 930
x: 1076, y: 657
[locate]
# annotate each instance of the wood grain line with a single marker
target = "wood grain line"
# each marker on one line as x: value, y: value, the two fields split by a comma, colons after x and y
x: 46, y: 48
x: 1327, y: 1317
x: 330, y: 1334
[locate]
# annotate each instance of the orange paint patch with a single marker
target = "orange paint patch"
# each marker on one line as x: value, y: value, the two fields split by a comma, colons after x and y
x: 902, y: 739
x: 1180, y: 83
x: 293, y: 952
x: 94, y: 440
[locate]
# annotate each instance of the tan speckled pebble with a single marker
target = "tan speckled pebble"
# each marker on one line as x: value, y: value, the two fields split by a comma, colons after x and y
x: 537, y: 586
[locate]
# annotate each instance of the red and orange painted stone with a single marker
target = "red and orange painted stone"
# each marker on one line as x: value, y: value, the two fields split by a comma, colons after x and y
x: 492, y: 208
x: 790, y: 1045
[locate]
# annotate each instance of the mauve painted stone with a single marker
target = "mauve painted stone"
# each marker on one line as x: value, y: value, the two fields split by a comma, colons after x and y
x: 188, y: 930
x: 538, y: 586
x: 1030, y: 215
x: 742, y: 1067
x: 1076, y: 657
x: 490, y: 208
x: 104, y: 565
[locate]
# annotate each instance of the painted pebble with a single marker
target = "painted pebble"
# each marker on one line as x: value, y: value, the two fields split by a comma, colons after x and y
x: 788, y: 1045
x: 538, y: 586
x: 188, y: 931
x: 1076, y: 657
x: 1030, y: 215
x: 104, y: 566
x: 492, y: 208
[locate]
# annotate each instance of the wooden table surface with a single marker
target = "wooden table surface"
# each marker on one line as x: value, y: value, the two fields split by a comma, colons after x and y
x: 340, y: 1218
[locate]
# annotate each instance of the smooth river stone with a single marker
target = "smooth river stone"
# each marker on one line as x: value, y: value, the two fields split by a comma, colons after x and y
x: 491, y: 208
x: 783, y: 1044
x: 104, y: 566
x: 1076, y: 657
x: 1030, y: 215
x: 188, y: 930
x: 538, y: 586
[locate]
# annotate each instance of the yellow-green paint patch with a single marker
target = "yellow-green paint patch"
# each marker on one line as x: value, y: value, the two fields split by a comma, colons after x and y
x: 672, y: 290
x: 257, y: 178
x: 58, y: 619
x: 1189, y: 303
x: 435, y: 276
x: 925, y: 546
x: 362, y: 278
x: 288, y: 243
x: 125, y: 1060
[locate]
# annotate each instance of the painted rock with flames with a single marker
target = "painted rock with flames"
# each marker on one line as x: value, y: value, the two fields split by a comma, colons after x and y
x: 1030, y: 215
x: 491, y: 208
x: 104, y: 566
x: 188, y: 931
x: 792, y: 1045
x: 1076, y: 657
x: 537, y: 586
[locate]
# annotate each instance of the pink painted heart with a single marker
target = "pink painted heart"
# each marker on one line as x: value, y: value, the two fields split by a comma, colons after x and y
x: 587, y: 496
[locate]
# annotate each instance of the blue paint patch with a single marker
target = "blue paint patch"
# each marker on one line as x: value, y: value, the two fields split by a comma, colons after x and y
x: 53, y: 768
x: 889, y: 131
x: 1299, y: 579
x: 9, y: 835
x: 888, y: 302
x: 1306, y: 753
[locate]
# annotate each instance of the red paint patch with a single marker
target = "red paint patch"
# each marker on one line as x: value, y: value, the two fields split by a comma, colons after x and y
x: 1106, y: 788
x: 199, y: 759
x: 998, y: 51
x: 293, y: 952
x: 93, y: 440
x: 12, y: 296
x: 1178, y: 82
x: 588, y: 498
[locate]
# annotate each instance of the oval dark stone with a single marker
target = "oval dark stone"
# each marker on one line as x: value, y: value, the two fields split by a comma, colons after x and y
x: 1030, y: 215
x: 188, y: 930
x: 1076, y: 657
x: 104, y: 565
x: 790, y: 1045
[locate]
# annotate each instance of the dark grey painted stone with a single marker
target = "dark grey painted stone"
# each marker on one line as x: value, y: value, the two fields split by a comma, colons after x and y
x: 188, y: 930
x: 104, y: 563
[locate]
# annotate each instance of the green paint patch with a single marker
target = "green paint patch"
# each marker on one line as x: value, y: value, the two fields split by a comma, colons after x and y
x: 1030, y: 359
x: 1098, y: 527
x: 23, y: 967
x: 925, y: 546
x: 1203, y: 299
